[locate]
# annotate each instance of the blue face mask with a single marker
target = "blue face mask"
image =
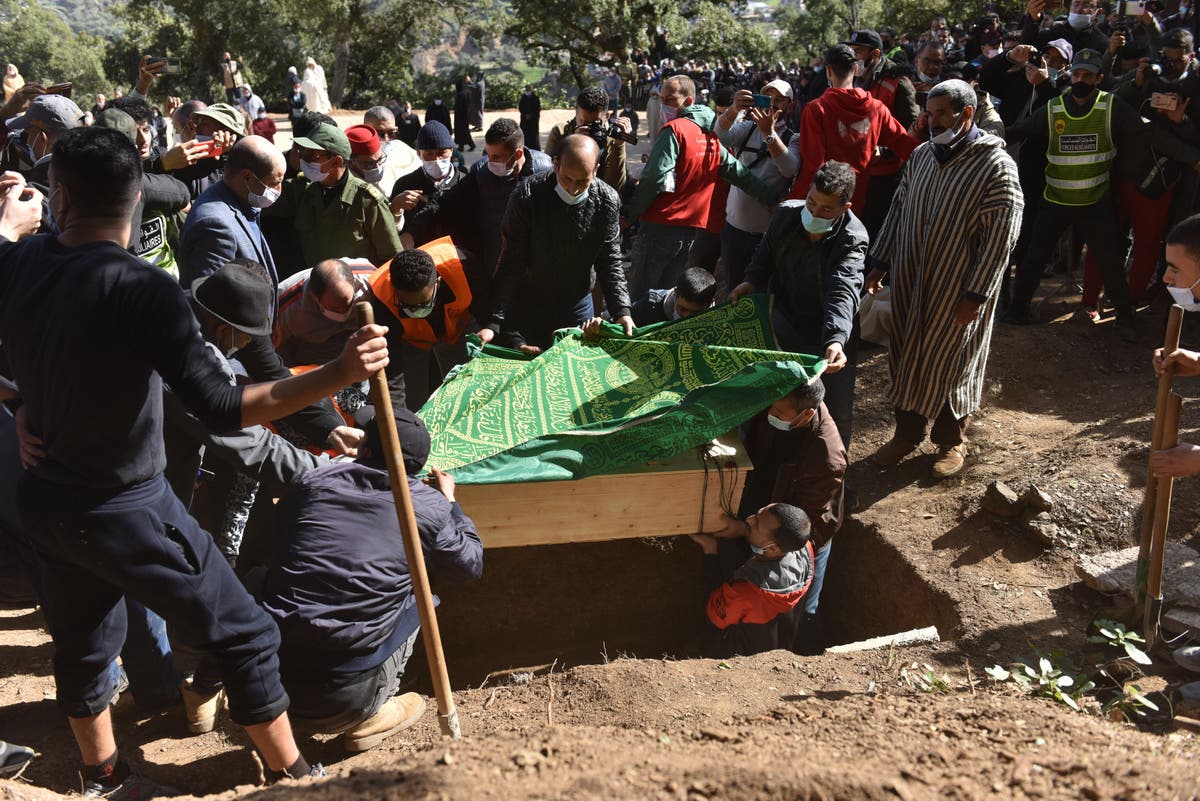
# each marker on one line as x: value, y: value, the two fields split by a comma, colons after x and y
x: 815, y: 225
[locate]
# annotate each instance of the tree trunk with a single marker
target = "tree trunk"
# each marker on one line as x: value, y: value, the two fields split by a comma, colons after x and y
x: 341, y: 65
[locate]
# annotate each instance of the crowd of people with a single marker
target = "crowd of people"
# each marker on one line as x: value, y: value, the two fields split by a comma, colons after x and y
x: 177, y: 312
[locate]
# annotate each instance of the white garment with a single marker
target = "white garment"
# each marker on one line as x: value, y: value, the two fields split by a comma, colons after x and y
x: 316, y: 91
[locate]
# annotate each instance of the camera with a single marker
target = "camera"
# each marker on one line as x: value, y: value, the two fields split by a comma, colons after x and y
x: 602, y: 132
x: 174, y: 65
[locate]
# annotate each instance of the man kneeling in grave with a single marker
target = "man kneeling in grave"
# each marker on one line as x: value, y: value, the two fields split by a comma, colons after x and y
x: 757, y: 608
x: 339, y: 587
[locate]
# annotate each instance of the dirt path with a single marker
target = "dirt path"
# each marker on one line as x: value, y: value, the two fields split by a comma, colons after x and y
x: 1067, y: 406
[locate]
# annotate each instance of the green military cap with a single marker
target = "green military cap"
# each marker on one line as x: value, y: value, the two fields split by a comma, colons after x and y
x: 226, y: 116
x: 326, y: 137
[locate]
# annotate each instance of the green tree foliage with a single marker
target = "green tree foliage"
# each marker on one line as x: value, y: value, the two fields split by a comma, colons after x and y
x: 45, y: 49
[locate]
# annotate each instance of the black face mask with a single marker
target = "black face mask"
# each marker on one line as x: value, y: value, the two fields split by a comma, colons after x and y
x: 1081, y: 90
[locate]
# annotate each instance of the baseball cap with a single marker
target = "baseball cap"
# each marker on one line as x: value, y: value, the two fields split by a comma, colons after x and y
x: 326, y: 137
x: 1064, y: 47
x: 117, y: 120
x: 866, y: 38
x: 54, y: 113
x: 779, y: 85
x: 364, y: 140
x: 226, y: 116
x: 1089, y: 60
x: 841, y: 56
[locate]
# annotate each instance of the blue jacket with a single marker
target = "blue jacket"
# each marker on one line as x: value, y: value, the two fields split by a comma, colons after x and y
x: 339, y: 586
x: 219, y: 228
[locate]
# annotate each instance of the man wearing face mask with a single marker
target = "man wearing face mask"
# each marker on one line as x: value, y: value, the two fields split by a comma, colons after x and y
x: 760, y: 141
x: 1183, y: 283
x: 799, y: 458
x: 753, y: 608
x: 812, y: 261
x: 416, y: 197
x: 316, y: 311
x: 223, y: 225
x: 558, y: 227
x: 945, y: 244
x: 882, y: 78
x: 473, y: 210
x: 423, y: 297
x: 1080, y: 30
x: 335, y: 213
x: 674, y: 198
x: 1081, y: 133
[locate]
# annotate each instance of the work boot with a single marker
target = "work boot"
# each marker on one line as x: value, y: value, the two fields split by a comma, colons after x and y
x: 201, y: 707
x: 950, y: 461
x: 14, y: 759
x: 893, y: 452
x: 136, y: 787
x: 396, y: 715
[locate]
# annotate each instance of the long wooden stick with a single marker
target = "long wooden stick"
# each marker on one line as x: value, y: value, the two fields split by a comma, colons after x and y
x: 1152, y: 616
x: 382, y: 400
x: 1165, y: 381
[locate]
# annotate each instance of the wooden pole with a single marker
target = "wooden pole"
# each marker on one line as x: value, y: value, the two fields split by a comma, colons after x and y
x: 1162, y: 516
x: 384, y: 418
x: 1170, y: 343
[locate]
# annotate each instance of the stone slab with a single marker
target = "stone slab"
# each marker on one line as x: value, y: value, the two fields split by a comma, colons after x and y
x: 1113, y: 572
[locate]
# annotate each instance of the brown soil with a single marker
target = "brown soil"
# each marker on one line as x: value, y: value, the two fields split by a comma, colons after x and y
x: 617, y: 716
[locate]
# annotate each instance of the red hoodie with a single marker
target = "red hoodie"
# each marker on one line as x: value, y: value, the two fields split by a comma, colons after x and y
x: 847, y: 125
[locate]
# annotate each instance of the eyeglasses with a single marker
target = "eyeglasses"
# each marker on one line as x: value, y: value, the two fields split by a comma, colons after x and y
x: 374, y: 163
x: 389, y: 134
x: 416, y: 307
x: 357, y: 297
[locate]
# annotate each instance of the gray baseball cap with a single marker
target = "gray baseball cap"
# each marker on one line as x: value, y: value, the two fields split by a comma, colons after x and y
x: 54, y: 113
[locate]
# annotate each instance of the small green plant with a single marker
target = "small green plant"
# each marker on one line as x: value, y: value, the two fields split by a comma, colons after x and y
x: 1115, y: 635
x: 927, y: 680
x: 1129, y: 704
x: 1050, y: 676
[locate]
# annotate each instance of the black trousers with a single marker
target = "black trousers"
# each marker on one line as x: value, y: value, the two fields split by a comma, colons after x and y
x: 1097, y: 226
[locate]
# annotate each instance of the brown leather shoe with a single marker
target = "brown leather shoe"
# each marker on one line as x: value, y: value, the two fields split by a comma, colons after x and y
x: 950, y: 461
x: 396, y: 715
x: 892, y: 453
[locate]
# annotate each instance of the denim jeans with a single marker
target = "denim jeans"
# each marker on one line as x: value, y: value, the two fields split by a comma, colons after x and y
x: 333, y: 703
x: 147, y: 658
x: 660, y: 255
x: 820, y: 561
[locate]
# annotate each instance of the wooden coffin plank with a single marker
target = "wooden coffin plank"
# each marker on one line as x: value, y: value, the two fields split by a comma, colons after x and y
x: 655, y: 500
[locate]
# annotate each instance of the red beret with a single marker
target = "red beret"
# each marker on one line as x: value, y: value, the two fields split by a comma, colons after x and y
x: 364, y: 141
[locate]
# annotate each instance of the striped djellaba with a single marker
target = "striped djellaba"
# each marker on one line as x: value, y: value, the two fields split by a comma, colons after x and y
x: 948, y: 234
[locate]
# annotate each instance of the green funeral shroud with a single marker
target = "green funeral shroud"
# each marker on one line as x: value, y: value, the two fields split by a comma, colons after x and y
x: 602, y: 405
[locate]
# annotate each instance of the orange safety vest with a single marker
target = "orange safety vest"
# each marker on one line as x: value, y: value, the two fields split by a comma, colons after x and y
x: 448, y: 260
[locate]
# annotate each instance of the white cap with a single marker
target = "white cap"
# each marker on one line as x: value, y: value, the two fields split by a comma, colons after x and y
x: 779, y: 85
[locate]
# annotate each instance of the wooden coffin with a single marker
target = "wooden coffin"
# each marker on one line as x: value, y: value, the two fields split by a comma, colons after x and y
x: 655, y: 500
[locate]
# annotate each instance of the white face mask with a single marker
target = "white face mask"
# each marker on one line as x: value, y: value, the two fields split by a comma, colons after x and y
x: 373, y: 175
x: 501, y: 170
x: 1183, y: 297
x: 949, y: 135
x: 567, y: 197
x: 438, y: 169
x: 1079, y: 21
x: 669, y: 113
x: 815, y: 225
x: 776, y: 422
x: 265, y: 200
x: 757, y: 550
x: 923, y: 78
x: 312, y: 171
